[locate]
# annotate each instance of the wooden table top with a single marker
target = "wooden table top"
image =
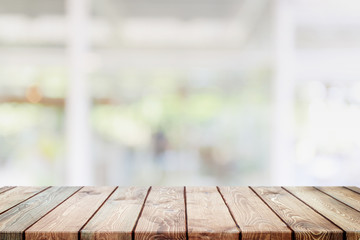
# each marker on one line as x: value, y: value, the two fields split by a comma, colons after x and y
x: 276, y: 213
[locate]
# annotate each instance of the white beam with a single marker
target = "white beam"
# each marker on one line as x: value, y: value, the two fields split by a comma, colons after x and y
x: 282, y: 157
x: 79, y: 170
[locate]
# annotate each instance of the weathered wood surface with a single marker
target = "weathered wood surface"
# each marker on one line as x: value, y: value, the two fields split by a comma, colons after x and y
x: 344, y: 195
x: 6, y: 188
x: 117, y: 213
x: 355, y: 189
x: 163, y: 216
x: 117, y: 217
x: 339, y: 213
x: 304, y: 221
x: 255, y: 219
x: 65, y: 221
x: 15, y: 221
x: 208, y: 216
x: 17, y: 195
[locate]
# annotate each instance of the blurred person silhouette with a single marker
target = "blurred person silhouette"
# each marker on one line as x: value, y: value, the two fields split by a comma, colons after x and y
x: 160, y: 145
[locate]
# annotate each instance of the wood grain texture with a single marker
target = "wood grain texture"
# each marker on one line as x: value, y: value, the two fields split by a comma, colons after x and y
x: 208, y: 216
x: 65, y: 221
x: 17, y: 195
x: 355, y: 189
x: 304, y: 221
x: 339, y: 213
x: 163, y: 215
x: 6, y: 188
x: 14, y: 221
x: 109, y: 213
x: 255, y: 219
x: 117, y: 217
x: 344, y: 195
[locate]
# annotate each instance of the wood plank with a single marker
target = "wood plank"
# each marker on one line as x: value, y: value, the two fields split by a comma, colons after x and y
x: 65, y: 221
x: 117, y: 217
x: 5, y: 188
x: 304, y: 221
x: 339, y: 213
x: 17, y: 195
x: 355, y: 189
x: 207, y: 215
x: 14, y: 221
x: 163, y: 216
x: 344, y: 195
x: 255, y: 219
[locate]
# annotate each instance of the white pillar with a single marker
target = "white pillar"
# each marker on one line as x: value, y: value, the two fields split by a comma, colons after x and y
x: 282, y: 148
x: 79, y: 166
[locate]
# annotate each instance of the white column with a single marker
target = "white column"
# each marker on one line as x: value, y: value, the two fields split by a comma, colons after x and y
x: 79, y: 166
x: 283, y: 152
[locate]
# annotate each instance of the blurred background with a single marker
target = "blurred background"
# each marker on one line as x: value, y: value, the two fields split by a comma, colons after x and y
x: 179, y: 92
